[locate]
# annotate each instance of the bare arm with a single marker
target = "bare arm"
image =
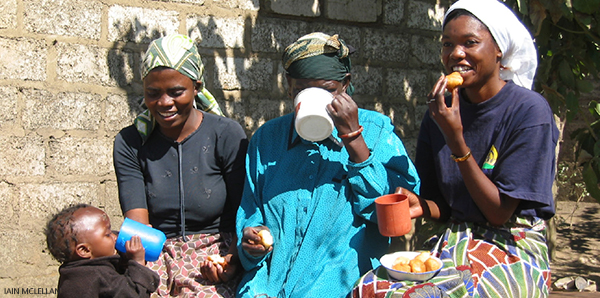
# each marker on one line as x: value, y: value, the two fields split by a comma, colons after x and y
x: 344, y: 112
x: 139, y: 215
x: 496, y: 208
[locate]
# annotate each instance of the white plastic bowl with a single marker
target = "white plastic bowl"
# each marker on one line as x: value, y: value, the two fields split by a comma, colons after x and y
x: 388, y: 260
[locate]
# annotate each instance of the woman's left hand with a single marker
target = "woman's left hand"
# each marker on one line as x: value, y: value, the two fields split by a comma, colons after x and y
x: 217, y: 273
x: 344, y: 112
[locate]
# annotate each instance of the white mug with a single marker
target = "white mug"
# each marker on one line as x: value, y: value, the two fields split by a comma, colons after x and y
x: 313, y: 122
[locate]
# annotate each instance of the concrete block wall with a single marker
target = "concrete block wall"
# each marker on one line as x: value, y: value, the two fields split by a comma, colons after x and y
x: 69, y: 81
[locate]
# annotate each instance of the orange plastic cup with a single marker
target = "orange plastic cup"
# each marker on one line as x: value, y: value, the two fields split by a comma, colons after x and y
x: 393, y: 215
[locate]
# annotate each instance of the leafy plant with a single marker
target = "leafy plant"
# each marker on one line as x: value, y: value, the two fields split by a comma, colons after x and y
x: 567, y: 36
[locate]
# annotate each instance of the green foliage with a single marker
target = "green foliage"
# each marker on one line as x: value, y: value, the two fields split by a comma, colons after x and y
x: 567, y: 36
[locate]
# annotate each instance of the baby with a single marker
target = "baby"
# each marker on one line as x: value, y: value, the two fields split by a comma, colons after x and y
x: 80, y: 238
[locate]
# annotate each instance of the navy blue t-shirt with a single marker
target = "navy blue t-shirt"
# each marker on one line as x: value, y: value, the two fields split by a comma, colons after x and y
x: 513, y: 138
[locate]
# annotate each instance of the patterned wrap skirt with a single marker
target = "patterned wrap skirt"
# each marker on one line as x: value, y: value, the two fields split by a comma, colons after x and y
x: 179, y: 263
x: 479, y: 261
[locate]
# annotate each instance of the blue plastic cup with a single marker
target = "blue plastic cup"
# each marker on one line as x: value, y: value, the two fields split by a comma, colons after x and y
x: 153, y: 240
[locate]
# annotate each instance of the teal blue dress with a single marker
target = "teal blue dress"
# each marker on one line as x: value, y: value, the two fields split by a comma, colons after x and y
x: 319, y: 207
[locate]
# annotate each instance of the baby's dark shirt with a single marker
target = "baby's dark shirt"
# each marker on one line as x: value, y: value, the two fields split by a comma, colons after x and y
x: 106, y: 277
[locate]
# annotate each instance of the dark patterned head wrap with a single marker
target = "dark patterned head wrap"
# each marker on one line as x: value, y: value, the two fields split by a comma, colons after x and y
x: 318, y: 56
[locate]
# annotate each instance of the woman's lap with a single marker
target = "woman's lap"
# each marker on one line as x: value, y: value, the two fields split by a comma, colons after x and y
x: 179, y: 267
x: 478, y: 262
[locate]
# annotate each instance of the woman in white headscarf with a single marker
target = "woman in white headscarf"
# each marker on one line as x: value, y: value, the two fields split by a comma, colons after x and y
x: 485, y: 156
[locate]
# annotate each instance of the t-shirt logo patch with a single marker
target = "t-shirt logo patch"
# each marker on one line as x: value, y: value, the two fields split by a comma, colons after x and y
x: 490, y: 161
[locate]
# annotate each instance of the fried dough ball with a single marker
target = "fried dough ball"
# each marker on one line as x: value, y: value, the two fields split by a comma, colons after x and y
x: 402, y: 267
x: 401, y: 260
x: 266, y: 238
x: 424, y: 256
x: 217, y: 260
x: 431, y: 264
x: 417, y: 266
x: 454, y: 80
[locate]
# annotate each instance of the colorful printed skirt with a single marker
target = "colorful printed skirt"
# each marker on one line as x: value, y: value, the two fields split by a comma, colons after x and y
x: 179, y: 267
x: 479, y: 261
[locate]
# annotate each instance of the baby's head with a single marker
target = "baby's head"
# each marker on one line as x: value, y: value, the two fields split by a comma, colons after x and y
x: 80, y: 232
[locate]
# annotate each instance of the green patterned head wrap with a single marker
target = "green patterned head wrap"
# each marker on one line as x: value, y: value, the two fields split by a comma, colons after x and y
x: 318, y: 56
x: 179, y: 52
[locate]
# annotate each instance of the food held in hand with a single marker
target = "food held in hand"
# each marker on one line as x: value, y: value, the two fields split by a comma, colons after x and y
x: 217, y: 260
x: 266, y: 239
x: 454, y: 80
x: 419, y: 264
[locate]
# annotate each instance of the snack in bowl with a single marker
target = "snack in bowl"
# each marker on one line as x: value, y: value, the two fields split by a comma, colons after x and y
x: 409, y: 265
x: 454, y: 80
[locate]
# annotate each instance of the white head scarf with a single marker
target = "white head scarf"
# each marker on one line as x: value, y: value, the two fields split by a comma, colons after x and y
x: 519, y: 56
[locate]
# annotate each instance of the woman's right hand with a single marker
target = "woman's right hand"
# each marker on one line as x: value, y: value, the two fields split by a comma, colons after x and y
x: 252, y: 242
x: 416, y: 210
x: 447, y: 118
x: 420, y: 207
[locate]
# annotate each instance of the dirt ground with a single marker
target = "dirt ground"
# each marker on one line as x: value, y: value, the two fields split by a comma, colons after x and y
x: 577, y: 251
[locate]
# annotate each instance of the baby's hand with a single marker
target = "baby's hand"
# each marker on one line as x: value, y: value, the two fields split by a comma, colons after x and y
x: 135, y: 250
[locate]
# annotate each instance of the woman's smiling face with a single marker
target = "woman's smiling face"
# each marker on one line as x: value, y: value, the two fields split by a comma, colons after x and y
x: 169, y: 95
x: 469, y: 48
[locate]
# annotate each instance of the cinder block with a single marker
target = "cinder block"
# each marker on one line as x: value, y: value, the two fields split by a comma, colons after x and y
x: 8, y: 206
x: 140, y: 25
x: 386, y: 46
x: 251, y: 5
x: 393, y: 11
x: 95, y: 65
x: 23, y: 255
x: 364, y: 11
x: 111, y: 205
x: 8, y: 106
x: 65, y: 18
x: 423, y: 15
x: 427, y: 50
x: 61, y: 111
x: 296, y: 7
x: 349, y: 34
x: 409, y: 86
x: 8, y: 18
x: 195, y: 2
x: 120, y: 111
x: 23, y: 59
x: 243, y: 74
x: 274, y: 35
x: 367, y: 80
x: 37, y: 202
x: 80, y: 156
x: 22, y: 156
x: 258, y: 110
x: 215, y: 32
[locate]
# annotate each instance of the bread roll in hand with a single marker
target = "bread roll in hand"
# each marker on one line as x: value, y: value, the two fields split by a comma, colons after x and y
x: 266, y: 238
x: 217, y: 260
x: 454, y: 80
